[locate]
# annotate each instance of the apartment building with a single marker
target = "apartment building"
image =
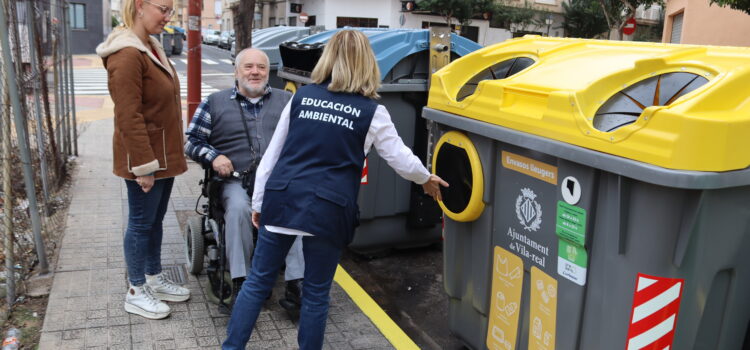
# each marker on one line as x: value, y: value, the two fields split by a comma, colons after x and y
x: 332, y: 14
x: 699, y: 22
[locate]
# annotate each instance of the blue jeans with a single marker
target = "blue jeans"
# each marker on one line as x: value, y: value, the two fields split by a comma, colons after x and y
x: 321, y: 258
x: 142, y: 243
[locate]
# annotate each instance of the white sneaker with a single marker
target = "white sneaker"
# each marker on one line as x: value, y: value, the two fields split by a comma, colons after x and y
x: 140, y: 301
x: 166, y: 290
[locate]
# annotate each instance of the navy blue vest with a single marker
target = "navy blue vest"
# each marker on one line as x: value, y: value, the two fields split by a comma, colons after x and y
x: 315, y: 183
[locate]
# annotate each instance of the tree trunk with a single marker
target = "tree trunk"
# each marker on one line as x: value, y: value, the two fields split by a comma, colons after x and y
x: 606, y: 16
x: 48, y: 115
x: 244, y: 14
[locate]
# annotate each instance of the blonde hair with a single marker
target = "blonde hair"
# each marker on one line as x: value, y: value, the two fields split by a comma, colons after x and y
x: 348, y: 61
x: 128, y: 13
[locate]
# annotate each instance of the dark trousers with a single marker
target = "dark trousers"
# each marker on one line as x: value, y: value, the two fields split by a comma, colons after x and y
x: 321, y: 258
x: 142, y: 242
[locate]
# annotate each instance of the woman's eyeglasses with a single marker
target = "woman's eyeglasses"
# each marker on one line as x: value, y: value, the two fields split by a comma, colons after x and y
x: 165, y: 11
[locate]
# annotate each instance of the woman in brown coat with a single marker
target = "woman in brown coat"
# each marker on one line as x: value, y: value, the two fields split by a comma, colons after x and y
x: 147, y: 146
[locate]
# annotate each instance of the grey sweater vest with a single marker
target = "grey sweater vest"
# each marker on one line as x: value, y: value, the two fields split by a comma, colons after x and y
x: 228, y: 134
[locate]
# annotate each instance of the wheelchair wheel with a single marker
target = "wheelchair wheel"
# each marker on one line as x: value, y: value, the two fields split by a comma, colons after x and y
x: 194, y: 245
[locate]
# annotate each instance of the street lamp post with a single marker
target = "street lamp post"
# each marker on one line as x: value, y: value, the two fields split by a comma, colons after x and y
x: 548, y: 21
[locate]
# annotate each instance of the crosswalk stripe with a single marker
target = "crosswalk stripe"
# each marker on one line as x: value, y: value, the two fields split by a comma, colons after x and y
x: 172, y: 62
x: 184, y: 60
x: 94, y: 82
x: 226, y: 61
x: 207, y: 61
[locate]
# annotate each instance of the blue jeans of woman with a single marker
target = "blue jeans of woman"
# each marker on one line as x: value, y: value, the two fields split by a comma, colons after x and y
x: 321, y: 258
x: 142, y: 243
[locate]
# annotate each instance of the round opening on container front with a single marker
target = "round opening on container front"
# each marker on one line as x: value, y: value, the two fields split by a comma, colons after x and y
x: 456, y: 161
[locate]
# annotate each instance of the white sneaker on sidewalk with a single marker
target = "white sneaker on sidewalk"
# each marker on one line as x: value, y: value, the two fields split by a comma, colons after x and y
x: 140, y: 301
x: 166, y: 290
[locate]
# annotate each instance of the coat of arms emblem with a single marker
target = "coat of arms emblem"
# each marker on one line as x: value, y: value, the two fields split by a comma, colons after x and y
x: 528, y: 210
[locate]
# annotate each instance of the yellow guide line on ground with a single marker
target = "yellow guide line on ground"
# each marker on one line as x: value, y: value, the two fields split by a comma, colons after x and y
x: 385, y: 324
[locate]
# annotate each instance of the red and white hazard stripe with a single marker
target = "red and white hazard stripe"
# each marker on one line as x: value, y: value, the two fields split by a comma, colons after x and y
x: 363, y: 181
x: 654, y: 316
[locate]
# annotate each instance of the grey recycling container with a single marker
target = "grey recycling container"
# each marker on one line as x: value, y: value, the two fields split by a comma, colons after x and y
x: 166, y: 42
x: 177, y: 43
x: 597, y: 208
x: 394, y: 213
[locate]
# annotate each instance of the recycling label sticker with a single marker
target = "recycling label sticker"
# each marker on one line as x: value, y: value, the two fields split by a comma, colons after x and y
x: 543, y: 311
x: 570, y: 189
x: 572, y: 262
x: 571, y: 223
x: 505, y: 308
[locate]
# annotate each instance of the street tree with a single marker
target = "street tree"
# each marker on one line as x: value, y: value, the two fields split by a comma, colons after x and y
x: 244, y: 13
x: 616, y: 12
x: 742, y: 5
x: 520, y: 18
x: 462, y: 10
x: 584, y: 19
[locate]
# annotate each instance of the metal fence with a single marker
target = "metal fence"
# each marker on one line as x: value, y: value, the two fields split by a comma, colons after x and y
x: 38, y: 131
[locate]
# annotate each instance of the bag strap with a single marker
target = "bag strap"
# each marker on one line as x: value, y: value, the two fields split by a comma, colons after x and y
x: 247, y: 132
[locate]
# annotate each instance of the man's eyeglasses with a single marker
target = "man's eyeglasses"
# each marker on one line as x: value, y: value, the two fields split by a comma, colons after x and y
x: 165, y: 11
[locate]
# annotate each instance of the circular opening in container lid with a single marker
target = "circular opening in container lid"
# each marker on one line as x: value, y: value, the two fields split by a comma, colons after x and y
x: 497, y: 71
x: 626, y: 106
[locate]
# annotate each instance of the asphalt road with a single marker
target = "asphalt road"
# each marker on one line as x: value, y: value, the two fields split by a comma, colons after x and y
x: 407, y: 284
x: 216, y: 68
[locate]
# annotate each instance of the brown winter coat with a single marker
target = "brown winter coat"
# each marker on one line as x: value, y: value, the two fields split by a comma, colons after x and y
x: 148, y: 135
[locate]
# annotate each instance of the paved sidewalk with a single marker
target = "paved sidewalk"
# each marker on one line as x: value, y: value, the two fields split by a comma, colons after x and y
x: 85, y: 309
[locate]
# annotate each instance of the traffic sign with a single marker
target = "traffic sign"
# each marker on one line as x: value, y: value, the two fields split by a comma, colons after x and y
x: 303, y: 17
x: 629, y: 27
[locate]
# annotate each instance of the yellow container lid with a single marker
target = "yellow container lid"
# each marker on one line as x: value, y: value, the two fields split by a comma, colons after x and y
x: 675, y: 106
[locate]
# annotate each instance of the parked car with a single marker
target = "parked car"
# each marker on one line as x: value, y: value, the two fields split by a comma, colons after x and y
x: 211, y: 37
x: 226, y: 39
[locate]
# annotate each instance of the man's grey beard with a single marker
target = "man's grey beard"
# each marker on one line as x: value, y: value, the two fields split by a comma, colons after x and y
x: 253, y: 91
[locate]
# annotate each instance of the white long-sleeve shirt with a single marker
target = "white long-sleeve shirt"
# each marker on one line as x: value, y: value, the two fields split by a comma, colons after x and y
x: 382, y: 134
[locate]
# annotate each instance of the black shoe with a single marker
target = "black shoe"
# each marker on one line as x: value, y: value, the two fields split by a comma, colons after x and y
x: 226, y: 309
x: 236, y: 286
x: 293, y: 291
x: 292, y: 300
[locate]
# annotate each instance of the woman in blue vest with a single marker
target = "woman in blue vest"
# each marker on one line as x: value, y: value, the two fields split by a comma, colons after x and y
x: 308, y: 180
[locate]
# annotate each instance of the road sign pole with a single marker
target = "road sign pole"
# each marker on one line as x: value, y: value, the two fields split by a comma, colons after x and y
x: 194, y: 57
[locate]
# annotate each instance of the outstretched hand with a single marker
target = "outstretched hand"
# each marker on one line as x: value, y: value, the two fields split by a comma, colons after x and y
x: 432, y: 187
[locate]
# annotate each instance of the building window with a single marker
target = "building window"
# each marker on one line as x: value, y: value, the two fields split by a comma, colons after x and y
x: 676, y: 34
x: 356, y: 22
x: 310, y: 21
x: 77, y: 16
x: 498, y: 22
x: 292, y: 21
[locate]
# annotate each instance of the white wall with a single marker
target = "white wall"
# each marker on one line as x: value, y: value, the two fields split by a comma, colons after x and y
x: 388, y: 14
x: 326, y: 11
x: 487, y: 35
x: 312, y: 8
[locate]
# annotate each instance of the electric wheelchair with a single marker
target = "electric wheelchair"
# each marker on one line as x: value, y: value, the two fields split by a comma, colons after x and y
x: 205, y: 243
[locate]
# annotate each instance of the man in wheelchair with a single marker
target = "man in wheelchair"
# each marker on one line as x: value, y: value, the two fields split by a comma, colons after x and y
x: 228, y: 135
